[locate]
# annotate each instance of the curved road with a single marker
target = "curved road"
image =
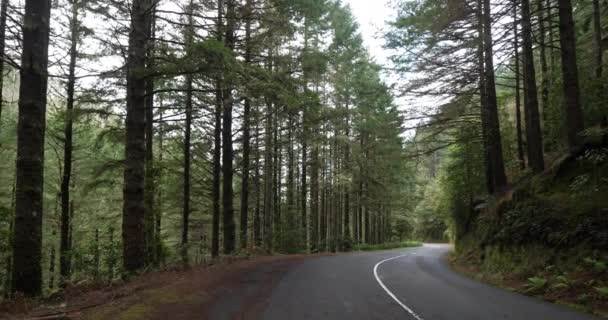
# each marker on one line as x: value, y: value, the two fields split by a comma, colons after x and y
x: 398, y: 284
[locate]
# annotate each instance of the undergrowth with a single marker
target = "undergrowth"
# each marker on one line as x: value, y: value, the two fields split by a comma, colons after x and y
x: 386, y: 246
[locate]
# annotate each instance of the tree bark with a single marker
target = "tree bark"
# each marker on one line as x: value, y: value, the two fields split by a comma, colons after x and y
x: 347, y: 231
x: 246, y: 135
x: 257, y: 222
x: 567, y: 39
x: 150, y: 183
x: 597, y: 36
x: 499, y: 178
x: 533, y: 130
x: 544, y: 68
x: 518, y: 119
x: 3, y: 14
x: 268, y: 234
x: 64, y: 247
x: 158, y: 212
x: 187, y: 142
x: 228, y: 153
x: 217, y: 151
x: 276, y: 177
x: 133, y: 233
x: 27, y: 271
x: 187, y: 160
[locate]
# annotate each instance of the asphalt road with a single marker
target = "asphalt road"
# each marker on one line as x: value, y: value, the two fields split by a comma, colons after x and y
x: 398, y: 284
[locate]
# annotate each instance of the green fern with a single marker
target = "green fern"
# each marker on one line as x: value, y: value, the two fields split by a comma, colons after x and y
x: 602, y: 291
x: 536, y: 283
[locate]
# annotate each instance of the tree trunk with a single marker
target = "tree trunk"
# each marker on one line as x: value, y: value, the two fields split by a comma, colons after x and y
x: 3, y: 14
x: 574, y: 113
x: 217, y: 149
x: 499, y: 178
x: 64, y: 248
x: 544, y: 68
x: 276, y: 177
x: 150, y: 182
x: 599, y: 52
x: 246, y: 136
x: 158, y: 212
x: 133, y: 234
x: 347, y: 231
x: 483, y: 101
x: 533, y: 130
x: 268, y: 235
x: 228, y: 152
x: 291, y: 203
x: 187, y: 160
x: 314, y: 198
x: 27, y: 272
x: 518, y: 119
x: 257, y: 235
x: 323, y: 189
x: 187, y: 142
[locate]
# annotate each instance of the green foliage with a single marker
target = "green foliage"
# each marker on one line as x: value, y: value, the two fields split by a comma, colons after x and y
x: 603, y: 292
x: 536, y: 284
x: 386, y: 246
x: 598, y: 266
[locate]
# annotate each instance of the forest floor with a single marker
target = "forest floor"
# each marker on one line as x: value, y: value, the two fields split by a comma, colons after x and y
x: 175, y: 294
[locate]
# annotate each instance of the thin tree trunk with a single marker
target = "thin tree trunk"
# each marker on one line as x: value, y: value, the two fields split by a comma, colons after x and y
x: 150, y: 171
x: 217, y: 149
x: 544, y: 68
x: 158, y: 212
x: 323, y: 189
x: 599, y: 50
x: 520, y: 143
x: 276, y: 177
x: 64, y: 248
x: 3, y: 14
x: 574, y: 113
x: 485, y: 122
x: 228, y: 152
x: 187, y: 143
x: 257, y: 235
x: 187, y: 160
x: 291, y: 203
x: 533, y: 130
x: 314, y: 198
x: 268, y: 234
x: 347, y: 231
x: 246, y: 135
x: 27, y: 244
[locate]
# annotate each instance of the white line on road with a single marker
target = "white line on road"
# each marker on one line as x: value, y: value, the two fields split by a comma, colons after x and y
x: 392, y: 295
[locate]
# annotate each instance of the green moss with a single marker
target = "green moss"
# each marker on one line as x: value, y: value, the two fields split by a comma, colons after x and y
x: 135, y: 312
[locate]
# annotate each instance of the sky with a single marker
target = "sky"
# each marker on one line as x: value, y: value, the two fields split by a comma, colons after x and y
x: 371, y: 16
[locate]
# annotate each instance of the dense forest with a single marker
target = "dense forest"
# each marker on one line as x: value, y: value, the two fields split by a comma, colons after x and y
x: 156, y: 133
x: 513, y: 146
x: 139, y: 135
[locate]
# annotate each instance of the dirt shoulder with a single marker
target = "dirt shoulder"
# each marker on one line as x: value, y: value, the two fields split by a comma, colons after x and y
x: 171, y: 294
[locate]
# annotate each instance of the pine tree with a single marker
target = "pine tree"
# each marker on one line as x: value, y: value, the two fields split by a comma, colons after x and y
x: 133, y: 228
x: 27, y: 272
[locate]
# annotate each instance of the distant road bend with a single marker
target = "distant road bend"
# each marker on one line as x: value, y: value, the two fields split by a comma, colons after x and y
x: 407, y: 284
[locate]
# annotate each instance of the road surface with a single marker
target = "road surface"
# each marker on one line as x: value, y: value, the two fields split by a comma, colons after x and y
x: 408, y: 284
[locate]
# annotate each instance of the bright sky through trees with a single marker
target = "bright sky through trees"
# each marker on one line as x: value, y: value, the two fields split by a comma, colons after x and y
x: 372, y: 15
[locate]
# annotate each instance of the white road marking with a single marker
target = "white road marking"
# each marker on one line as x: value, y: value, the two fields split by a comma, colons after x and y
x: 392, y: 295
